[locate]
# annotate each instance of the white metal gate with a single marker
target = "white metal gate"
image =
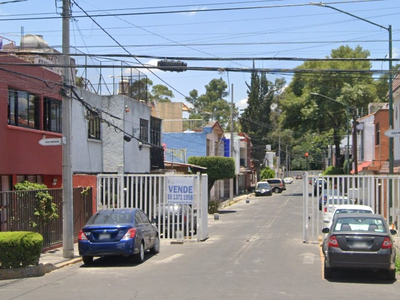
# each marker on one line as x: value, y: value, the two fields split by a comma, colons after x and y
x: 148, y: 192
x: 378, y: 191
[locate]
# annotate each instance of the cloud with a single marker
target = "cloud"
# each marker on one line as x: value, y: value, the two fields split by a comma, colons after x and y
x: 150, y: 63
x: 395, y: 52
x: 242, y: 103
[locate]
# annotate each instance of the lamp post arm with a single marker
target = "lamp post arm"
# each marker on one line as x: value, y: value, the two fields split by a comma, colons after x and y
x: 347, y: 13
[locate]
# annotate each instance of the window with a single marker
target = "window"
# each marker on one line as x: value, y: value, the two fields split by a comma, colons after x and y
x: 52, y: 115
x: 155, y: 133
x: 144, y: 130
x: 377, y: 134
x: 93, y: 124
x: 23, y: 109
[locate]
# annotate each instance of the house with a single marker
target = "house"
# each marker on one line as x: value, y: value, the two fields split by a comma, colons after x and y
x: 205, y: 142
x: 30, y: 109
x: 372, y: 144
x: 110, y: 133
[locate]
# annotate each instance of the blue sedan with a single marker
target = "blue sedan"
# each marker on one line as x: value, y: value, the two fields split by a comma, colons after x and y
x: 124, y: 231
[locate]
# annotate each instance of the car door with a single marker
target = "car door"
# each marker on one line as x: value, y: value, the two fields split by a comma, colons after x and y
x: 149, y: 231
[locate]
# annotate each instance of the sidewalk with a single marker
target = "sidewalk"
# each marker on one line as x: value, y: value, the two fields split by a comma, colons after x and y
x: 53, y: 259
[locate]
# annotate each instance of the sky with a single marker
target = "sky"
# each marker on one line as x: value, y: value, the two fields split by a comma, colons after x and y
x: 233, y: 33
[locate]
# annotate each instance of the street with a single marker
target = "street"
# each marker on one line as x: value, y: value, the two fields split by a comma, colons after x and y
x: 254, y: 251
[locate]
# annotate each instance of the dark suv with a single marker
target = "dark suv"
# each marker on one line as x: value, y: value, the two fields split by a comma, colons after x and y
x: 277, y: 184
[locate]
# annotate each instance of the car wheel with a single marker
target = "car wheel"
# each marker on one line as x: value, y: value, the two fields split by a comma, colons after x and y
x: 87, y: 260
x: 391, y: 274
x: 327, y: 272
x: 156, y: 247
x: 276, y: 190
x: 139, y: 257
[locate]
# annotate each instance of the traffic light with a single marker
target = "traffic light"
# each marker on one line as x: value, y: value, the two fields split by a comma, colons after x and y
x: 172, y: 65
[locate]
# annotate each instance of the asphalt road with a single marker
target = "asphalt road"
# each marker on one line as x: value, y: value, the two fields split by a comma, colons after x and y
x: 255, y: 251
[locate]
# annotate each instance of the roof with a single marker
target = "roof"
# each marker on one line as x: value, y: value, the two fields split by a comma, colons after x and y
x: 182, y: 166
x: 361, y: 166
x: 385, y: 167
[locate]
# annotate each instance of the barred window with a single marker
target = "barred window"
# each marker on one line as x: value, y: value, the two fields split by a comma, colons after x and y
x: 93, y: 125
x: 144, y: 130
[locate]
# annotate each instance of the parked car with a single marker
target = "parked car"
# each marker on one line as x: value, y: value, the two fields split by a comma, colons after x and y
x: 124, y: 231
x: 277, y: 184
x: 359, y: 241
x: 319, y: 184
x: 299, y: 176
x: 288, y: 180
x: 171, y: 218
x: 263, y: 189
x: 332, y: 202
x: 348, y: 209
x: 327, y: 193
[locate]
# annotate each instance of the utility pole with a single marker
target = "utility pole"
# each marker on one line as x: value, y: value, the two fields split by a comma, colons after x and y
x: 231, y: 144
x: 68, y: 224
x: 355, y: 158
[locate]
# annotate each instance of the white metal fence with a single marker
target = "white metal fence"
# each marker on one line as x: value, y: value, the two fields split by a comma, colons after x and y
x: 377, y: 191
x: 175, y: 218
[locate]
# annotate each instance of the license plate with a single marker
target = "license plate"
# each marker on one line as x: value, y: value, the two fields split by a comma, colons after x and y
x: 360, y: 244
x: 104, y: 236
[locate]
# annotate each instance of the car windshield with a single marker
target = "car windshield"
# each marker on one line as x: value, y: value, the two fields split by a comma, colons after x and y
x: 263, y: 185
x: 337, y: 201
x: 110, y: 217
x: 352, y: 211
x: 359, y: 224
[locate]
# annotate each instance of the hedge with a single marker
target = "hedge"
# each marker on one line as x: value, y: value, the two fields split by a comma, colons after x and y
x: 20, y: 249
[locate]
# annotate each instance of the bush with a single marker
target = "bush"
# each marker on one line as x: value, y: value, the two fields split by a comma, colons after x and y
x: 266, y: 173
x: 45, y: 209
x: 333, y: 171
x: 20, y: 249
x: 213, y: 207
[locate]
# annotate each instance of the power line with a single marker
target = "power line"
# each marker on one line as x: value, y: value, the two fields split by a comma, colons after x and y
x: 196, y: 10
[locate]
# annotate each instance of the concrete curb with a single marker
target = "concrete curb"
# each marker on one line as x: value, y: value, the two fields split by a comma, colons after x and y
x: 35, y: 271
x: 234, y: 200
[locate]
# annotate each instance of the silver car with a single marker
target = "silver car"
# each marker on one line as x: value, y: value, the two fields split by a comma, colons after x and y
x: 359, y: 241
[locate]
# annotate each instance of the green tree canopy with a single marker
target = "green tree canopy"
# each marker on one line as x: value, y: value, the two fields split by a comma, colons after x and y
x: 305, y: 112
x: 161, y: 93
x: 212, y: 105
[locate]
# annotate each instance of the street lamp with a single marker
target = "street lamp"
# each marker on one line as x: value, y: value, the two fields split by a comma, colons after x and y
x: 347, y: 125
x: 389, y: 29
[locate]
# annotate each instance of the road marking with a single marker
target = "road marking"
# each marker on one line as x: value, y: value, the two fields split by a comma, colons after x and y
x: 169, y: 259
x: 308, y: 258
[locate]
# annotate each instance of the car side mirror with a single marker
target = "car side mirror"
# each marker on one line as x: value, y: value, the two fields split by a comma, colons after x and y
x: 393, y: 231
x: 325, y: 230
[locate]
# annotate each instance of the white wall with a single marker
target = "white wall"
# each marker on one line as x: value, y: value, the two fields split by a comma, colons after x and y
x: 118, y: 154
x: 86, y: 153
x: 368, y: 137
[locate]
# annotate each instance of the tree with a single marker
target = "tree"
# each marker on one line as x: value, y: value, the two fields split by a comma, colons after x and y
x: 217, y: 167
x: 304, y: 112
x: 212, y: 105
x: 255, y: 119
x: 140, y: 89
x: 161, y: 93
x: 266, y: 173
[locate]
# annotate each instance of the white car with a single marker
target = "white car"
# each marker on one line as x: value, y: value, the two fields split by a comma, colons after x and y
x: 288, y: 180
x: 346, y: 208
x: 331, y: 203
